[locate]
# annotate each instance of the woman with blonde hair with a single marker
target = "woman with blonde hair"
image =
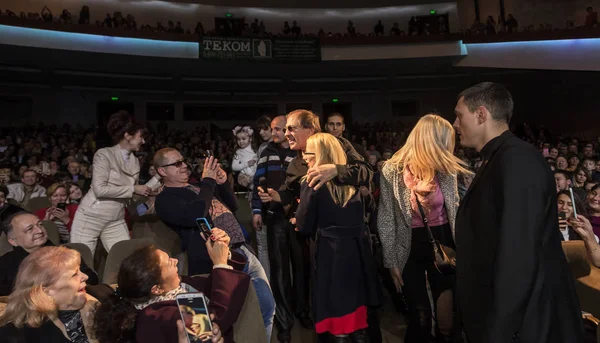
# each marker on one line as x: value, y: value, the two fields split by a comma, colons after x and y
x: 421, y: 178
x: 49, y: 302
x: 345, y: 274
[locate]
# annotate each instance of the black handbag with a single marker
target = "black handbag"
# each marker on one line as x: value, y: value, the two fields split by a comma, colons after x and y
x: 444, y: 257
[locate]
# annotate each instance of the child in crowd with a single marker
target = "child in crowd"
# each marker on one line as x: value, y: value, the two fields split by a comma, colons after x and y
x: 244, y: 159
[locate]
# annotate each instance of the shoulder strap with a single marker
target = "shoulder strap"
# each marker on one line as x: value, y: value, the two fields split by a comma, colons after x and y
x: 425, y: 221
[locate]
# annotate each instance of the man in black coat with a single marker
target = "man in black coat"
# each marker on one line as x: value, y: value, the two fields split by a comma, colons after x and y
x: 513, y: 281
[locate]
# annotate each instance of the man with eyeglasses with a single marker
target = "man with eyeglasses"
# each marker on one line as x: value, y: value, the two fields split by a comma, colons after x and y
x: 26, y: 234
x: 180, y: 204
x: 300, y: 125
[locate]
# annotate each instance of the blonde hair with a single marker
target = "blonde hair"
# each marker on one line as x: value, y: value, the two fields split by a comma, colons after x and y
x: 54, y: 187
x: 29, y: 304
x: 307, y: 119
x: 329, y: 150
x: 429, y: 149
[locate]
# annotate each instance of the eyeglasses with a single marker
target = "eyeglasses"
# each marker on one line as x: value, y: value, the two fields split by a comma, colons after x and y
x: 177, y: 164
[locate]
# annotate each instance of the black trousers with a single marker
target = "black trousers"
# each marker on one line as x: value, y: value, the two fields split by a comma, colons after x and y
x: 290, y: 287
x: 420, y: 261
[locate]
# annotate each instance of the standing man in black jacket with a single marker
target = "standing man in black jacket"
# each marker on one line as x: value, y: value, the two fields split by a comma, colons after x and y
x: 283, y: 244
x: 513, y: 281
x: 300, y: 125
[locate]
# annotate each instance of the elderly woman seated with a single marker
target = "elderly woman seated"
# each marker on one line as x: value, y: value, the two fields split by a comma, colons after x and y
x: 49, y: 302
x: 144, y: 307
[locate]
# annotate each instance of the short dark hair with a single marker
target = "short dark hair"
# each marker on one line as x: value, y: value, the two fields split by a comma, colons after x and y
x: 116, y: 316
x: 7, y: 218
x: 263, y: 122
x: 121, y: 123
x: 565, y: 173
x: 335, y: 114
x: 493, y: 96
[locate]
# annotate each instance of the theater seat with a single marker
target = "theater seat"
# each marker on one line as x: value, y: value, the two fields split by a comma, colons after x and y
x: 52, y: 231
x: 249, y: 327
x: 84, y: 251
x: 36, y: 204
x: 150, y: 227
x: 117, y: 254
x: 5, y: 247
x: 587, y: 276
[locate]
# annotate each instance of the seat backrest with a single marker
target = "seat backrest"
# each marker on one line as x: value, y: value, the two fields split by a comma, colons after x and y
x: 117, y: 254
x: 587, y: 276
x: 84, y: 251
x: 577, y: 258
x: 249, y: 327
x: 52, y: 231
x: 149, y: 226
x: 37, y: 203
x: 5, y: 247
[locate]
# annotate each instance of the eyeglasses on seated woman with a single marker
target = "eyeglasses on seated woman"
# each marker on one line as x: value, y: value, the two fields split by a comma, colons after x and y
x: 144, y: 307
x: 49, y: 302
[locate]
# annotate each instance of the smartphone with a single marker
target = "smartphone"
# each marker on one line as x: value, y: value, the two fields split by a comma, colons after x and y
x: 61, y: 205
x: 573, y: 202
x: 262, y: 183
x: 204, y: 226
x: 195, y: 318
x: 562, y: 216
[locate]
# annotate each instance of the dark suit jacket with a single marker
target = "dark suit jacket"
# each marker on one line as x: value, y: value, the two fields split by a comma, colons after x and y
x: 513, y: 281
x: 226, y: 290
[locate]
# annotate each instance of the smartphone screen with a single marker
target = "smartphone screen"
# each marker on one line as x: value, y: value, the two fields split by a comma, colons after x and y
x: 194, y: 315
x: 204, y: 226
x: 61, y: 205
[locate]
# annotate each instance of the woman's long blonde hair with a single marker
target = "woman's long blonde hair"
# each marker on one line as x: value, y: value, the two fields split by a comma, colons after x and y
x: 29, y: 304
x: 328, y: 150
x: 429, y: 149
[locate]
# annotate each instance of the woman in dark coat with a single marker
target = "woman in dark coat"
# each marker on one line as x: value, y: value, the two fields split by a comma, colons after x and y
x: 345, y: 274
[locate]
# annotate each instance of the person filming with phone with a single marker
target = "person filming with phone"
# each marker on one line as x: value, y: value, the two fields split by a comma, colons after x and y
x: 60, y: 212
x: 185, y: 208
x: 144, y: 307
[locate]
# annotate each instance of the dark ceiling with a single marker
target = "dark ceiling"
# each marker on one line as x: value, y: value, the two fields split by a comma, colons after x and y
x: 313, y: 3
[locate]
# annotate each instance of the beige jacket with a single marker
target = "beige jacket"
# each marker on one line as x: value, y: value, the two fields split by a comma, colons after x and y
x: 112, y: 186
x: 17, y: 191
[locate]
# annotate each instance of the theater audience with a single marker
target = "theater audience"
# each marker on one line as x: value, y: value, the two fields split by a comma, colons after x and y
x: 27, y: 235
x: 60, y: 211
x: 6, y: 208
x: 565, y: 206
x: 27, y: 189
x: 75, y: 193
x: 593, y: 203
x: 144, y: 308
x: 49, y: 302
